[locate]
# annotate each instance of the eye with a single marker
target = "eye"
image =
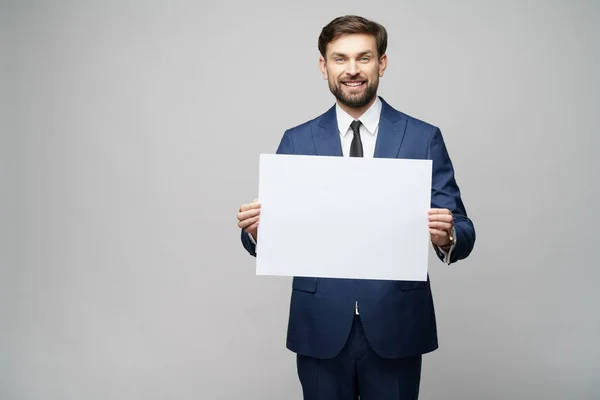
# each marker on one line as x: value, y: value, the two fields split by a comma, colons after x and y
x: 365, y: 59
x: 338, y: 59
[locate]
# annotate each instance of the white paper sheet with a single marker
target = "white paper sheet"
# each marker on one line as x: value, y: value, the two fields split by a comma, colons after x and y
x: 341, y: 217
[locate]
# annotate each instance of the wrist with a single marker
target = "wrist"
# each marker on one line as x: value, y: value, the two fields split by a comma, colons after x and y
x: 451, y: 240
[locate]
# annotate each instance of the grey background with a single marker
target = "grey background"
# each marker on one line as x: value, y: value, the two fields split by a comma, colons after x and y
x: 130, y: 136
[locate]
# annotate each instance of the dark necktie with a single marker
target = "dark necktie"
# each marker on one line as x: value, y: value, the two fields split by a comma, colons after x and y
x: 356, y: 149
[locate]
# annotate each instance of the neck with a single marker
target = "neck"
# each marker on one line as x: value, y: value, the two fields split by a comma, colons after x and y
x: 356, y: 112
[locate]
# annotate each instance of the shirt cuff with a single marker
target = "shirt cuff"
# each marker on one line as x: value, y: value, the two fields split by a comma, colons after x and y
x: 251, y: 238
x: 448, y: 254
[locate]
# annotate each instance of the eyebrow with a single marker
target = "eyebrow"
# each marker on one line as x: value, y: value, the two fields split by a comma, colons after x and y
x: 362, y: 53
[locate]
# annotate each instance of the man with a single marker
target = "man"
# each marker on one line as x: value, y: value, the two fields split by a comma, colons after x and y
x: 366, y: 337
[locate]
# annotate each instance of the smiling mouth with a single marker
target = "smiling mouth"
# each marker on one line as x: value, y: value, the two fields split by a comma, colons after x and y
x: 354, y: 84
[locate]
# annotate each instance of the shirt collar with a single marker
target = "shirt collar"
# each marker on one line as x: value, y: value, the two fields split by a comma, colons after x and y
x: 370, y: 118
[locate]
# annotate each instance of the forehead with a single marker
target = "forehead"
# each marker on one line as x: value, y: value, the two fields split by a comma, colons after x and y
x: 350, y: 44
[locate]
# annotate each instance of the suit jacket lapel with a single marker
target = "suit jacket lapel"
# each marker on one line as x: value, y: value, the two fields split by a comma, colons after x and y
x: 390, y: 134
x: 326, y: 135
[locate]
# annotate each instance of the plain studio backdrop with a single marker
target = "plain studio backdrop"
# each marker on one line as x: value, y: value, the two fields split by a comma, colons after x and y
x: 130, y: 136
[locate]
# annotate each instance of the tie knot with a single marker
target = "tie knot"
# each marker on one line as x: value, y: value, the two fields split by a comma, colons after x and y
x: 355, y: 125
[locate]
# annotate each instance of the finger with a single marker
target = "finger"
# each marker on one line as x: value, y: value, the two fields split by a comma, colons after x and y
x: 252, y: 227
x: 441, y: 217
x: 433, y: 211
x: 437, y: 232
x: 251, y: 206
x: 248, y: 214
x: 440, y: 225
x: 247, y: 222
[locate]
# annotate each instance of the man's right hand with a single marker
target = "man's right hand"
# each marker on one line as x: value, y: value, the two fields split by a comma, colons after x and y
x: 248, y: 217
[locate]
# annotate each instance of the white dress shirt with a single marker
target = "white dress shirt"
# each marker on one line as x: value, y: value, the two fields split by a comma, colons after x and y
x: 368, y: 135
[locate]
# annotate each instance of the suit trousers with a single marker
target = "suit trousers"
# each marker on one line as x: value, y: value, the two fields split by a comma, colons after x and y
x: 358, y: 372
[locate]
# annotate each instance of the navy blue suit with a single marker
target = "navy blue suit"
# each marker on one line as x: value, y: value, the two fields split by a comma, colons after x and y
x: 398, y: 318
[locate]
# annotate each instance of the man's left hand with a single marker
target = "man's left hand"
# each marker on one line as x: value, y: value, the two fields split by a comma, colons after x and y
x: 441, y: 223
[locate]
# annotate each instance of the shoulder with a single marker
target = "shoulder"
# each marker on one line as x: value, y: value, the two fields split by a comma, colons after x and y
x: 420, y: 125
x: 305, y: 128
x: 299, y: 139
x: 302, y: 128
x: 413, y: 123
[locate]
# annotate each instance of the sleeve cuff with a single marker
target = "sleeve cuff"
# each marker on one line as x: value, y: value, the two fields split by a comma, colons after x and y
x: 448, y: 254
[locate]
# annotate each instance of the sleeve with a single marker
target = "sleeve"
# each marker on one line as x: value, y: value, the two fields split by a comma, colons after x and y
x: 445, y: 193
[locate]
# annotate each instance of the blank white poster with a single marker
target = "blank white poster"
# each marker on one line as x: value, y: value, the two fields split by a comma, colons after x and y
x: 341, y: 217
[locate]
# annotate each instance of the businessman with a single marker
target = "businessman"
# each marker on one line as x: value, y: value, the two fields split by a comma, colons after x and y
x: 366, y: 337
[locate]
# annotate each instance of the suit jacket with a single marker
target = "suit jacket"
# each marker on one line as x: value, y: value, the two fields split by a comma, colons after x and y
x: 398, y: 316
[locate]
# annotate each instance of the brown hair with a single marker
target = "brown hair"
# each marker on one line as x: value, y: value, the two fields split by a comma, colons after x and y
x: 350, y: 24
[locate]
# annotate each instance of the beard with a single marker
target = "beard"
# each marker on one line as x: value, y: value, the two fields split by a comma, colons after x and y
x: 356, y: 100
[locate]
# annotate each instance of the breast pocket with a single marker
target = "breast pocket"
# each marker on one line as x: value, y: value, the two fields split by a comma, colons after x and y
x: 304, y: 284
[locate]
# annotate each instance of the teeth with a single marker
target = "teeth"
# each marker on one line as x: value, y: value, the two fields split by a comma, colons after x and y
x: 353, y: 83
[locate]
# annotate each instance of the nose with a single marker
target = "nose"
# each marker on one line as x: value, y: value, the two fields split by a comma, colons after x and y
x: 352, y: 69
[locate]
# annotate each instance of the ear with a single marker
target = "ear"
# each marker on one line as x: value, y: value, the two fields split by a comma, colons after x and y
x: 323, y: 67
x: 382, y: 64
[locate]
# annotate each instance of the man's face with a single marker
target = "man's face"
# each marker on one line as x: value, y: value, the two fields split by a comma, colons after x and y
x: 352, y: 69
